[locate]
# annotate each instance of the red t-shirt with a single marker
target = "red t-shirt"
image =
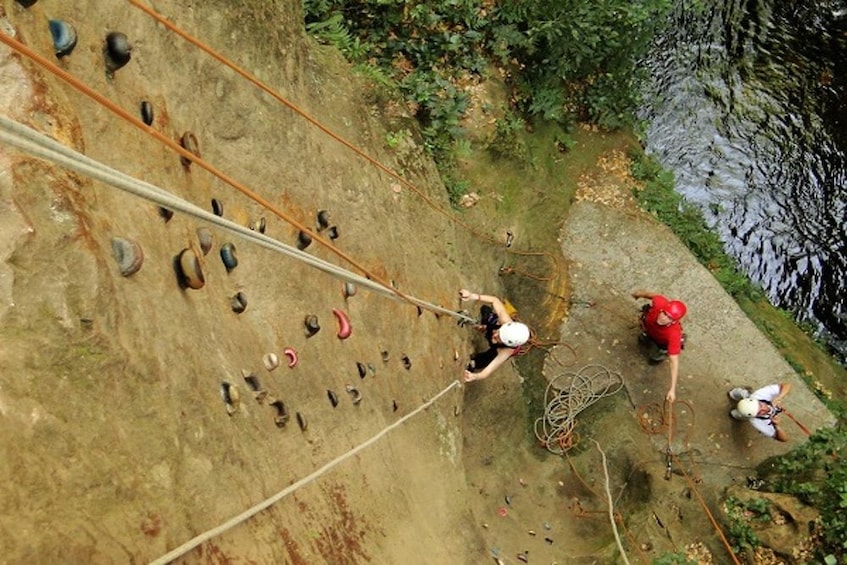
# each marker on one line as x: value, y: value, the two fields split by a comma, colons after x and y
x: 668, y: 337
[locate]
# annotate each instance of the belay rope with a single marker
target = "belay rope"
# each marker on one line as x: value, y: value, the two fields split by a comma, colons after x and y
x: 566, y: 396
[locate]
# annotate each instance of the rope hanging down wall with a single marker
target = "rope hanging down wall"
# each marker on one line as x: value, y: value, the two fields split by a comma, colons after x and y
x: 41, y: 146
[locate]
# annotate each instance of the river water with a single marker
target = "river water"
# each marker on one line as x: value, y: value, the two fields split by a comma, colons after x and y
x: 747, y: 105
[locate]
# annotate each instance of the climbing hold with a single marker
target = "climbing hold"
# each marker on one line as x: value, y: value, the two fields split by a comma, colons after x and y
x: 291, y: 353
x: 189, y: 142
x: 407, y: 363
x: 322, y: 219
x: 27, y: 3
x: 281, y: 417
x: 64, y: 37
x: 349, y: 289
x: 217, y: 207
x: 301, y: 421
x: 204, y: 238
x: 238, y: 303
x: 228, y: 257
x: 394, y: 406
x: 420, y: 311
x: 344, y: 327
x: 147, y: 112
x: 231, y: 397
x: 189, y: 271
x: 333, y: 399
x: 271, y: 361
x: 165, y: 214
x: 253, y: 382
x: 303, y: 240
x: 355, y: 394
x: 332, y: 232
x: 312, y: 326
x: 523, y: 557
x: 371, y: 369
x: 363, y: 371
x: 117, y: 51
x: 259, y: 225
x: 384, y: 354
x: 128, y: 254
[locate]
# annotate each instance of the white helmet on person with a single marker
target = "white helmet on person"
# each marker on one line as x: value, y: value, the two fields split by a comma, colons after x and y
x: 748, y: 407
x: 514, y: 334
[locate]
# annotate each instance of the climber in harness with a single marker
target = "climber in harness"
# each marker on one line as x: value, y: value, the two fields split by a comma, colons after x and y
x: 505, y: 336
x: 761, y: 408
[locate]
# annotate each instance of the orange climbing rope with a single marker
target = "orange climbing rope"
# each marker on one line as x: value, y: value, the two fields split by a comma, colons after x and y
x: 126, y: 116
x: 352, y: 147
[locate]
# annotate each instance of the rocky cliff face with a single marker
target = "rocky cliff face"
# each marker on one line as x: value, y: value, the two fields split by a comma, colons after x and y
x: 116, y: 437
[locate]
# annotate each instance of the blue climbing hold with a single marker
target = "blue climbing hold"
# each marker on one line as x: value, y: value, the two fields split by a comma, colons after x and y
x: 64, y: 37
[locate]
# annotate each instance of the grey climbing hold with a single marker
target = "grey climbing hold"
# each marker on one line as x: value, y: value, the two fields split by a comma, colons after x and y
x: 128, y: 254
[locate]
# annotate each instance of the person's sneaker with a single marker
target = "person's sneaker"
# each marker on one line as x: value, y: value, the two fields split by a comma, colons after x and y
x: 658, y: 355
x: 643, y: 338
x: 737, y: 415
x: 738, y: 393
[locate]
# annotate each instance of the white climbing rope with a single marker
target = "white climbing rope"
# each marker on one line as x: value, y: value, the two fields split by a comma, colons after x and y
x: 609, y: 504
x: 566, y: 396
x: 40, y: 145
x: 194, y: 542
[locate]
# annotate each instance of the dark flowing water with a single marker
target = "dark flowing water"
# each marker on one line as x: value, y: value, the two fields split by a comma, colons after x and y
x: 747, y: 106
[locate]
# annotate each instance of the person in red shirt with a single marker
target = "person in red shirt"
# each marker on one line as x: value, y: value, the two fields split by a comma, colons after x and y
x: 660, y: 324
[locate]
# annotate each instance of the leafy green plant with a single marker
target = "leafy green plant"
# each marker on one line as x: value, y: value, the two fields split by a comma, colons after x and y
x: 673, y: 559
x: 816, y: 472
x: 507, y: 140
x: 739, y: 530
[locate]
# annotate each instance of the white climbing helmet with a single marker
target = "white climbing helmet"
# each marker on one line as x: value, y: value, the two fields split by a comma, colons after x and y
x: 513, y: 334
x: 748, y: 407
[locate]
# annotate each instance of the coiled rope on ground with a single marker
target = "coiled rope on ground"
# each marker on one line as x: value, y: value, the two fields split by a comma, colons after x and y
x: 568, y: 394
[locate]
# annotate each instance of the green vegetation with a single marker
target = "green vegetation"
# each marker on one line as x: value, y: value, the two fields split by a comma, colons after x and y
x: 563, y: 60
x: 816, y: 472
x: 740, y: 532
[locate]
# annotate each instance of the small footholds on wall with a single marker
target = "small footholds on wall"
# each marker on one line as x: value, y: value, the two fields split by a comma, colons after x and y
x: 270, y: 361
x: 117, y: 51
x: 64, y: 37
x: 228, y: 257
x: 238, y: 303
x: 322, y: 220
x: 204, y: 238
x: 292, y: 356
x: 281, y: 417
x: 147, y: 112
x: 301, y: 421
x: 407, y: 363
x: 253, y: 382
x: 349, y: 289
x: 217, y: 207
x: 354, y: 394
x: 165, y: 214
x: 259, y: 225
x: 312, y: 325
x: 384, y: 354
x: 189, y: 270
x: 333, y: 398
x: 303, y: 240
x: 231, y: 397
x: 189, y: 142
x: 345, y: 329
x: 332, y: 232
x: 363, y: 370
x: 128, y: 254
